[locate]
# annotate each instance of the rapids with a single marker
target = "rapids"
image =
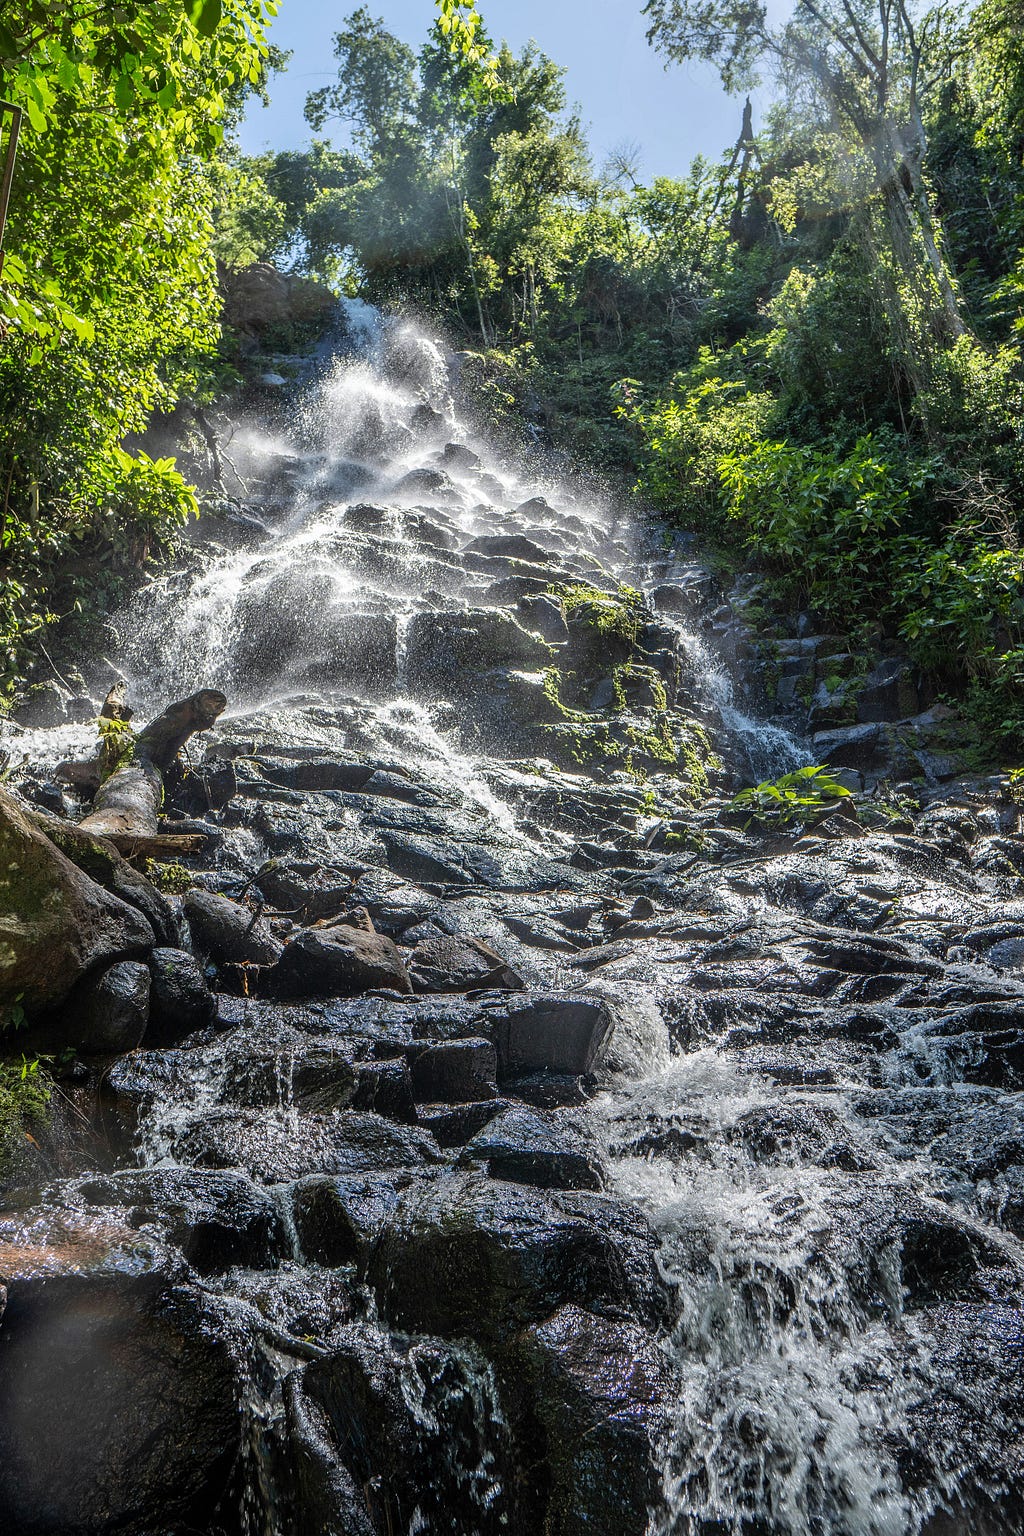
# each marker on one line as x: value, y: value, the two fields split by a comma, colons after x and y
x: 807, y: 1106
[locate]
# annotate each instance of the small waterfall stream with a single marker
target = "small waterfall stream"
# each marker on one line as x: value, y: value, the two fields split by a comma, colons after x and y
x: 793, y: 1092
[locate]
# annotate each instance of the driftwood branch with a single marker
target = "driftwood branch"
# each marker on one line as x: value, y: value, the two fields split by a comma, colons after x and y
x: 128, y: 801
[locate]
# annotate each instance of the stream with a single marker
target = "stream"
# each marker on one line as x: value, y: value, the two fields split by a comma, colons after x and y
x: 615, y: 1168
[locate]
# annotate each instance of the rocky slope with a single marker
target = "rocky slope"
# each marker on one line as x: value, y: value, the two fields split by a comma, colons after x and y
x: 498, y: 1135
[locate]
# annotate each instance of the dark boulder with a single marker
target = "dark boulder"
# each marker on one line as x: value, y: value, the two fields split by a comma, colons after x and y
x: 338, y: 961
x: 474, y: 1256
x: 339, y: 1219
x: 601, y: 1392
x: 527, y: 1146
x: 104, y: 1016
x: 454, y: 1071
x: 229, y: 932
x: 455, y: 963
x: 180, y: 1000
x: 561, y: 1034
x: 217, y: 1219
x: 119, y: 1387
x: 56, y: 924
x: 347, y: 1142
x: 392, y: 1438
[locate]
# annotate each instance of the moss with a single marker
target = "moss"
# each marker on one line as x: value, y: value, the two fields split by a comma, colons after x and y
x: 612, y: 616
x: 172, y: 879
x: 25, y: 1091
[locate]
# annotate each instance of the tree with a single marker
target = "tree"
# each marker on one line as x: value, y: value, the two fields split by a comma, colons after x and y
x: 108, y: 304
x: 870, y: 65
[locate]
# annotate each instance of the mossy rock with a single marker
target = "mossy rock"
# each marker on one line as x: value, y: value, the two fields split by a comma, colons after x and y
x: 56, y: 924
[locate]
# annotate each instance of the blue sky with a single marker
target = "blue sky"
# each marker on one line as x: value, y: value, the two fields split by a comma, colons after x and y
x: 619, y: 83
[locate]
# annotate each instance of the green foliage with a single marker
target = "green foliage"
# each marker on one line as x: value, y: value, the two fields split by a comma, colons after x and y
x: 25, y: 1092
x: 687, y: 435
x: 825, y: 522
x: 117, y: 745
x: 108, y: 305
x: 797, y: 797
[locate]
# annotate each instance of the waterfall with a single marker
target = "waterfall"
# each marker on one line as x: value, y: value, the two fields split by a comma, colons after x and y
x: 787, y: 1099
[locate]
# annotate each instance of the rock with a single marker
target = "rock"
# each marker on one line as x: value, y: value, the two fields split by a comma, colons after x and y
x: 452, y: 1125
x: 454, y: 1071
x: 429, y: 483
x: 180, y: 1001
x: 347, y: 1142
x: 107, y: 1015
x: 44, y: 707
x: 217, y: 1219
x: 513, y: 546
x: 458, y: 457
x: 472, y: 1256
x: 392, y: 1437
x: 119, y: 1390
x: 339, y: 1220
x: 56, y: 925
x: 542, y: 614
x: 888, y: 692
x: 560, y: 1034
x: 447, y: 650
x: 527, y: 1146
x: 856, y: 746
x: 453, y: 963
x: 338, y: 961
x: 602, y: 1393
x: 101, y: 861
x: 228, y: 932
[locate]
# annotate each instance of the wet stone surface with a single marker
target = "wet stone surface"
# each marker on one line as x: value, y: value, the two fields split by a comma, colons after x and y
x: 501, y: 1136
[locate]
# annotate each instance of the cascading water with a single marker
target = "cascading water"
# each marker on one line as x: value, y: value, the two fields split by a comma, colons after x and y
x: 790, y: 1088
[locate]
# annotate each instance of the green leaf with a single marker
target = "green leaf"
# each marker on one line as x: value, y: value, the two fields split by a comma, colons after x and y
x: 8, y: 43
x: 206, y: 16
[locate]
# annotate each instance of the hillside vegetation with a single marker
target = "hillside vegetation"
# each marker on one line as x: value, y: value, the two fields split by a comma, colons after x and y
x: 810, y: 352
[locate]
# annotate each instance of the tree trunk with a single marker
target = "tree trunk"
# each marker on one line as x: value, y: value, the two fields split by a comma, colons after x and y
x: 128, y: 803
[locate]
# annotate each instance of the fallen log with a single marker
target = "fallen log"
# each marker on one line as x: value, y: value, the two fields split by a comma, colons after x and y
x: 127, y: 806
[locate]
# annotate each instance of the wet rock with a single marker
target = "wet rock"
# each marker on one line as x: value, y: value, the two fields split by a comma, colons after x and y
x: 56, y: 924
x: 543, y: 615
x: 428, y: 483
x: 275, y: 1152
x: 513, y: 546
x: 180, y: 1000
x: 101, y: 862
x: 339, y: 1220
x: 385, y: 1087
x: 228, y: 932
x: 388, y: 1438
x: 473, y: 1256
x: 453, y: 963
x: 338, y: 961
x: 447, y: 650
x: 602, y: 1394
x: 104, y: 1016
x: 45, y: 706
x: 119, y: 1389
x: 452, y: 1125
x: 216, y: 1219
x: 560, y: 1034
x: 527, y: 1146
x: 455, y: 1072
x: 457, y: 456
x: 965, y: 1415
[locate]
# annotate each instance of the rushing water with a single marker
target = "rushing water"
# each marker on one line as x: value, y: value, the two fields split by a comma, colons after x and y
x: 798, y: 1361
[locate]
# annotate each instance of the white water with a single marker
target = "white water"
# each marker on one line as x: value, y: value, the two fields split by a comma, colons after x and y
x: 790, y: 1381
